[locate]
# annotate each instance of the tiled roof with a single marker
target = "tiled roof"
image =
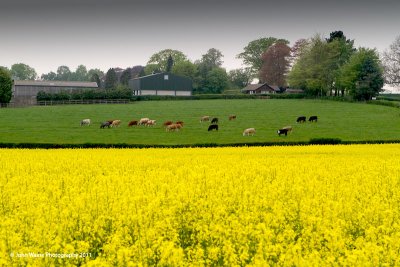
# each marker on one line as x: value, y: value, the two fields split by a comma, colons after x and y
x: 56, y: 83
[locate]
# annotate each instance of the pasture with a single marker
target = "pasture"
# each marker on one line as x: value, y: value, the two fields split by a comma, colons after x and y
x: 61, y: 124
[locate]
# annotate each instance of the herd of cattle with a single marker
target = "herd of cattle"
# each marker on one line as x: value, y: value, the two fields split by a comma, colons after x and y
x: 176, y: 126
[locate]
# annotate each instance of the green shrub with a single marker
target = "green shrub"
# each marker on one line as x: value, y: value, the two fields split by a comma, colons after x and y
x: 325, y: 141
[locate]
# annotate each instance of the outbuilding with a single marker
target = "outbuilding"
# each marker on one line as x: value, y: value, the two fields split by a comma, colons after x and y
x: 261, y: 88
x: 25, y: 92
x: 164, y: 84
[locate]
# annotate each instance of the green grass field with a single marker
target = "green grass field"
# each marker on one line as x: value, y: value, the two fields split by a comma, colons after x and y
x: 60, y: 124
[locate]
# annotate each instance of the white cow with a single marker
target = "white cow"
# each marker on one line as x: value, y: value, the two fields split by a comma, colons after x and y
x: 115, y: 123
x: 150, y: 122
x: 204, y: 118
x: 143, y: 121
x: 249, y: 131
x: 85, y: 122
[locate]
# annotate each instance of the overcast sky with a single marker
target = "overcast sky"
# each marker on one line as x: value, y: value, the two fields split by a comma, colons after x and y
x: 46, y: 34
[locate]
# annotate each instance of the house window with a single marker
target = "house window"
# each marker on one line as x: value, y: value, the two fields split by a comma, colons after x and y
x: 166, y: 77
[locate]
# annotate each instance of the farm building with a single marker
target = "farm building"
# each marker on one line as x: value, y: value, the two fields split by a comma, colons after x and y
x: 161, y: 84
x: 25, y: 92
x: 261, y: 88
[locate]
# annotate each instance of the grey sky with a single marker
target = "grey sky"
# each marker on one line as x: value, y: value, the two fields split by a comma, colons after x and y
x: 120, y: 33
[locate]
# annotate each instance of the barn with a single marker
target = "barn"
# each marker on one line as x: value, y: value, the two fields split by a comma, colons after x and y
x: 165, y: 84
x: 25, y: 92
x: 261, y: 88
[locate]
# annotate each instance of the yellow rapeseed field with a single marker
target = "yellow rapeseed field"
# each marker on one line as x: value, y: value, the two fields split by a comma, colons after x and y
x: 253, y: 206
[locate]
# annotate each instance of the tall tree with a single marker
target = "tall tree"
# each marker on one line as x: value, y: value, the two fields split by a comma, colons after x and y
x: 5, y: 85
x: 126, y: 76
x: 213, y: 58
x: 316, y: 69
x: 337, y: 35
x: 136, y: 71
x: 63, y: 73
x: 251, y: 55
x: 51, y: 76
x: 111, y: 79
x: 99, y: 72
x: 21, y: 71
x: 161, y: 58
x: 216, y: 81
x: 80, y: 74
x: 151, y: 69
x: 95, y: 78
x: 170, y: 64
x: 391, y: 63
x: 185, y: 68
x: 362, y: 75
x: 239, y: 77
x: 275, y: 64
x: 297, y: 50
x: 5, y: 68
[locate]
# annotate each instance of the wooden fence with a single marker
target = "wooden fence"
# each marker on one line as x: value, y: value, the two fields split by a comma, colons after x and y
x: 80, y: 102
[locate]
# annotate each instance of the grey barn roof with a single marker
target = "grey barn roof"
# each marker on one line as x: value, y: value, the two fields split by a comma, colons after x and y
x: 253, y: 87
x: 57, y: 84
x: 161, y: 81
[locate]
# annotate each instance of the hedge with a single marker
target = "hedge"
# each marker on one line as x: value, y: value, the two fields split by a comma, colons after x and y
x: 314, y: 141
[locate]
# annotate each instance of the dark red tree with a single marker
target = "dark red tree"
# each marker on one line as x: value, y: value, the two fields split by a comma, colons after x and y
x: 275, y: 64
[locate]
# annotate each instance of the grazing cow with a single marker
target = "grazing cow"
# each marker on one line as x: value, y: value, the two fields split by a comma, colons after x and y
x: 173, y: 127
x: 232, y: 117
x: 85, y: 122
x: 283, y: 131
x: 213, y: 127
x: 214, y: 120
x: 165, y: 124
x: 105, y: 124
x: 301, y: 119
x: 249, y: 131
x: 150, y: 122
x: 179, y: 122
x: 115, y: 123
x: 313, y: 118
x: 288, y: 128
x: 204, y: 118
x: 143, y: 121
x: 131, y: 123
x: 110, y: 121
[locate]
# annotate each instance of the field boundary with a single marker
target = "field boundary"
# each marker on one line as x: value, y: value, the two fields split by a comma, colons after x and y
x: 319, y: 141
x: 81, y: 102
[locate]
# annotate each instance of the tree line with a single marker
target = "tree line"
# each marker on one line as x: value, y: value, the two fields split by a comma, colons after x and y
x: 320, y: 66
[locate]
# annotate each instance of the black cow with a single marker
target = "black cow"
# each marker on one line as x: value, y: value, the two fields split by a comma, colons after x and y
x: 313, y: 118
x: 214, y: 120
x: 301, y: 119
x: 213, y: 127
x: 105, y: 124
x: 283, y: 131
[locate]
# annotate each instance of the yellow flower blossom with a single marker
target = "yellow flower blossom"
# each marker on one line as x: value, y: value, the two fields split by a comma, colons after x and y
x: 248, y: 206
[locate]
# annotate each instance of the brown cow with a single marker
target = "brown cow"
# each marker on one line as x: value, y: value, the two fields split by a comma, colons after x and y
x: 173, y: 127
x: 165, y: 124
x: 131, y: 123
x: 232, y: 117
x: 179, y: 122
